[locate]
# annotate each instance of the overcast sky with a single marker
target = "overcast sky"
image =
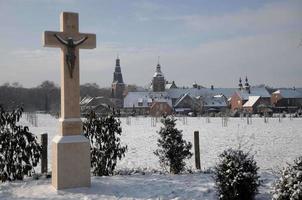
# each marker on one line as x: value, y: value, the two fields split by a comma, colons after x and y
x: 211, y: 42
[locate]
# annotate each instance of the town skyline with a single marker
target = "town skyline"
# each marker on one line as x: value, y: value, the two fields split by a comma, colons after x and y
x: 206, y: 42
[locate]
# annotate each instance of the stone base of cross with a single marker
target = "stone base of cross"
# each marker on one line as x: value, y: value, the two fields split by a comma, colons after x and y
x: 70, y: 149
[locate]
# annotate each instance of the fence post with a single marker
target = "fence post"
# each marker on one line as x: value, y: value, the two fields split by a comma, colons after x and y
x: 197, y: 151
x: 44, y: 143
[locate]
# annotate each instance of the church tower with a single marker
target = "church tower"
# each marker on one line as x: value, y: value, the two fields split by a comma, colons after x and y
x: 118, y: 85
x: 247, y: 85
x: 240, y: 84
x: 158, y: 81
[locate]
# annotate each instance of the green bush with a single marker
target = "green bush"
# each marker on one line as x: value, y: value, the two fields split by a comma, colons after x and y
x: 289, y: 186
x: 105, y: 147
x: 19, y: 149
x: 172, y: 148
x: 236, y: 176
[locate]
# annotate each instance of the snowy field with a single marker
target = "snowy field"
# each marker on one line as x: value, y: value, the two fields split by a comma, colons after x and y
x: 273, y: 144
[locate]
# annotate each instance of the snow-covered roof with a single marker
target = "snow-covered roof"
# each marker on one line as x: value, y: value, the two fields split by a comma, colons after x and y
x: 252, y: 100
x: 175, y: 93
x: 288, y: 93
x: 299, y: 90
x: 215, y: 101
x: 170, y: 85
x: 218, y: 96
x: 86, y: 100
x: 254, y: 91
x: 181, y: 99
x: 145, y: 98
x: 95, y: 101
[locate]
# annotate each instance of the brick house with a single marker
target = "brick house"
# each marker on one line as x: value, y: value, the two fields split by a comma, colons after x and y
x: 242, y: 96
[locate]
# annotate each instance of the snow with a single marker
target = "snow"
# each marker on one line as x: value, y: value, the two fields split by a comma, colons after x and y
x: 175, y: 93
x: 252, y: 100
x: 274, y: 144
x: 155, y: 186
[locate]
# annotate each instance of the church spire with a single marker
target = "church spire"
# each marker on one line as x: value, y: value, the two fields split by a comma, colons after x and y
x: 118, y: 86
x: 117, y: 75
x: 247, y: 85
x: 117, y: 61
x: 246, y: 82
x: 240, y: 84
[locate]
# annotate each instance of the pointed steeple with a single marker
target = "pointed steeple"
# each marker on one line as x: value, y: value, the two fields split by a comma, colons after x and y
x: 117, y: 61
x: 240, y: 83
x: 246, y: 82
x: 247, y: 85
x: 117, y: 75
x: 118, y: 86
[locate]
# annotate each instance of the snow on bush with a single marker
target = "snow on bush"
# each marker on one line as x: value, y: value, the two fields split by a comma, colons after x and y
x: 173, y: 149
x: 289, y: 186
x: 236, y: 175
x: 105, y: 144
x: 19, y: 149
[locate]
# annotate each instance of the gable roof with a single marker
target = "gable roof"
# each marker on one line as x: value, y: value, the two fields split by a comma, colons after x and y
x: 251, y: 102
x: 145, y: 98
x: 185, y: 96
x: 215, y: 101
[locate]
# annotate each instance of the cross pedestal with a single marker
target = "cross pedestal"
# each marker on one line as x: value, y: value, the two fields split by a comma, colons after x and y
x: 70, y: 149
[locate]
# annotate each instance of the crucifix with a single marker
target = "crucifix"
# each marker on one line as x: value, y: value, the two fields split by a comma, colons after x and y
x: 70, y: 149
x: 70, y: 45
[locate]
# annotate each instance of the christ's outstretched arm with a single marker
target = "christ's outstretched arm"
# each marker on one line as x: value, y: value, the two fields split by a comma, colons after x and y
x: 80, y: 41
x: 61, y: 39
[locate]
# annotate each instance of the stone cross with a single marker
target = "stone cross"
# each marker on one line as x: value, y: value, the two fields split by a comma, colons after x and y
x: 70, y: 149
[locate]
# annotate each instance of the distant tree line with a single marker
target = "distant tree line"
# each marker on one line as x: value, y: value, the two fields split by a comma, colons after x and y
x: 44, y: 97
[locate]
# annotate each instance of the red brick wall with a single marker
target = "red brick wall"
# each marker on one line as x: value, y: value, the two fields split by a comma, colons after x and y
x: 236, y: 102
x: 160, y: 108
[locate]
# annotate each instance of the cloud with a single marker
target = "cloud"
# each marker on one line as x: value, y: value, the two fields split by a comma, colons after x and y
x: 270, y: 17
x: 32, y: 53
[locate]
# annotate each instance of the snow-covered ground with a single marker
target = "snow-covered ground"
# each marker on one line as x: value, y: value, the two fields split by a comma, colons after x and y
x: 273, y: 143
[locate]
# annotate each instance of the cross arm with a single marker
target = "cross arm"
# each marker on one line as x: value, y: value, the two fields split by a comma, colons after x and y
x: 89, y: 43
x: 50, y: 40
